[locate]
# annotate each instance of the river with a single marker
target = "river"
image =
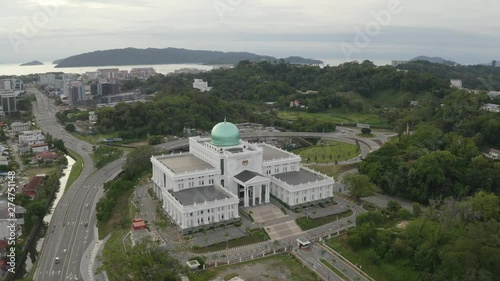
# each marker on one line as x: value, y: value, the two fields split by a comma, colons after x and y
x: 63, y: 180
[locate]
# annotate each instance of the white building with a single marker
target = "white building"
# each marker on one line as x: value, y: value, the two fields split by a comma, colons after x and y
x: 221, y: 173
x: 491, y: 107
x: 17, y: 127
x: 92, y: 117
x: 31, y: 137
x: 47, y: 79
x: 456, y: 83
x: 37, y: 148
x: 201, y: 85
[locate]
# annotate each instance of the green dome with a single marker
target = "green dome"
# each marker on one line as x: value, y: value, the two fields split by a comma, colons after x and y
x: 225, y: 134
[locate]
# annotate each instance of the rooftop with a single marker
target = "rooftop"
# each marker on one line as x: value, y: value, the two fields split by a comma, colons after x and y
x: 185, y: 163
x: 298, y: 177
x: 247, y: 175
x: 199, y: 195
x: 271, y: 153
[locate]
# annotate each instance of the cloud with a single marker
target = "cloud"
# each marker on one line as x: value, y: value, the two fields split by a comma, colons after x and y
x: 465, y: 31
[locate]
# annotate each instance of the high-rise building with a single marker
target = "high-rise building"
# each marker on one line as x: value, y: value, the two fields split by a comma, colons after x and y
x: 494, y: 63
x: 47, y: 79
x: 77, y: 93
x: 8, y: 101
x: 107, y: 89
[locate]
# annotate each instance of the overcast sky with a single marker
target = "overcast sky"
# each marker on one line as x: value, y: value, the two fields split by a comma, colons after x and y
x: 467, y: 31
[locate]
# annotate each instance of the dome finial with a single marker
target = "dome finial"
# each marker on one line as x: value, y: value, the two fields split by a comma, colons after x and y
x: 224, y: 118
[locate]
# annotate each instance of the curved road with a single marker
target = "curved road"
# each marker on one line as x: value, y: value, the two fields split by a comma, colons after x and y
x: 68, y: 230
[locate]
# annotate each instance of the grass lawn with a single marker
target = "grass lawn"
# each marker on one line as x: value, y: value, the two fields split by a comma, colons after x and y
x: 104, y: 155
x: 31, y: 172
x: 282, y: 267
x: 114, y: 258
x: 337, y: 116
x: 327, y: 151
x: 76, y: 170
x: 365, y: 135
x: 123, y: 213
x: 335, y: 270
x: 93, y: 139
x: 381, y: 270
x: 334, y: 170
x: 256, y: 236
x: 306, y: 223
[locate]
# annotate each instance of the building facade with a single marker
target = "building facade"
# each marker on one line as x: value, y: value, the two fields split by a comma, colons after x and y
x: 31, y: 137
x: 8, y: 101
x: 17, y: 127
x: 221, y: 173
x: 201, y: 85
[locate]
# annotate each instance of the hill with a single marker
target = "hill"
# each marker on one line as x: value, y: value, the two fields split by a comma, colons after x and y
x: 57, y: 61
x: 132, y: 56
x: 434, y: 60
x: 35, y: 62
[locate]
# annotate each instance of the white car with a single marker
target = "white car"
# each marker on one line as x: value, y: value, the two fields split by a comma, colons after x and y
x: 64, y: 251
x: 56, y: 260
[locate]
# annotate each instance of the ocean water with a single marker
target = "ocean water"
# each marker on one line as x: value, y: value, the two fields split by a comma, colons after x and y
x: 16, y: 69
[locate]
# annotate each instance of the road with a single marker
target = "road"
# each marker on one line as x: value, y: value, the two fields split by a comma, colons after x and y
x: 67, y: 228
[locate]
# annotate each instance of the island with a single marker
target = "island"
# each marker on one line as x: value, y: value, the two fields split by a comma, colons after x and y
x: 35, y: 62
x: 133, y: 56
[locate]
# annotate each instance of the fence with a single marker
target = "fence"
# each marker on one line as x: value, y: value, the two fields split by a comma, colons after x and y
x: 230, y: 261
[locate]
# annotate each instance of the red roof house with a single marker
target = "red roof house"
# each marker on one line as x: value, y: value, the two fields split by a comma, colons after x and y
x: 31, y: 187
x: 47, y: 155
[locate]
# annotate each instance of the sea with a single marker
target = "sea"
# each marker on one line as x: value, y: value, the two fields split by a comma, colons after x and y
x: 16, y: 69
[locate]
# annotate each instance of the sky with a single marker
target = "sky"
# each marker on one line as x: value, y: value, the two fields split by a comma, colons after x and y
x: 466, y: 31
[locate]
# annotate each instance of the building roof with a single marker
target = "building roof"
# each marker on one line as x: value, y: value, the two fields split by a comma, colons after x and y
x: 48, y: 155
x: 298, y: 177
x: 271, y: 153
x: 247, y: 175
x: 225, y: 134
x: 185, y: 163
x: 34, y: 183
x: 39, y: 145
x: 198, y: 195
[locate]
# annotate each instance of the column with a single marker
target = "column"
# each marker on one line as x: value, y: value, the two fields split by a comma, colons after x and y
x: 268, y: 192
x: 253, y: 194
x: 245, y: 202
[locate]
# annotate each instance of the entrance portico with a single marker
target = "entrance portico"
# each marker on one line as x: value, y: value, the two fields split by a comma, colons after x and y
x: 253, y: 188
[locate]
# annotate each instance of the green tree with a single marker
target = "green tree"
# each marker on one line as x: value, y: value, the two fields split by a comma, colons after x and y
x: 359, y: 185
x: 366, y: 131
x: 70, y: 127
x: 138, y: 162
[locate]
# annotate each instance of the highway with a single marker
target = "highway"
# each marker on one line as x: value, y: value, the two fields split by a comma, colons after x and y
x: 67, y: 229
x: 71, y: 230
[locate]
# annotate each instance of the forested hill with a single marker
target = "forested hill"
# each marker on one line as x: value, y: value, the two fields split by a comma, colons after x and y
x: 132, y: 56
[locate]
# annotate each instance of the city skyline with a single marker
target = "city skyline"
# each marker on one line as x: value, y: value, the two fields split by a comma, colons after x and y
x: 47, y: 30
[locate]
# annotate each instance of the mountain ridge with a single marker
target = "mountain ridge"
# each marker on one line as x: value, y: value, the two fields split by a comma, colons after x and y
x: 134, y: 56
x: 35, y: 62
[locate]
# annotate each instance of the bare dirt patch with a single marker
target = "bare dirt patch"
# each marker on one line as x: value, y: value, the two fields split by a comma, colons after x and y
x: 402, y: 224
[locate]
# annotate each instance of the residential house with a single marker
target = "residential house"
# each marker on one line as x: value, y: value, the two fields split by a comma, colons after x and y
x: 201, y: 85
x: 32, y: 186
x: 47, y: 156
x: 17, y: 127
x: 491, y: 107
x: 31, y: 137
x: 41, y: 147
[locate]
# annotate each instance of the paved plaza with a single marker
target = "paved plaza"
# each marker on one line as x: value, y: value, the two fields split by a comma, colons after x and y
x: 283, y: 230
x: 265, y: 213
